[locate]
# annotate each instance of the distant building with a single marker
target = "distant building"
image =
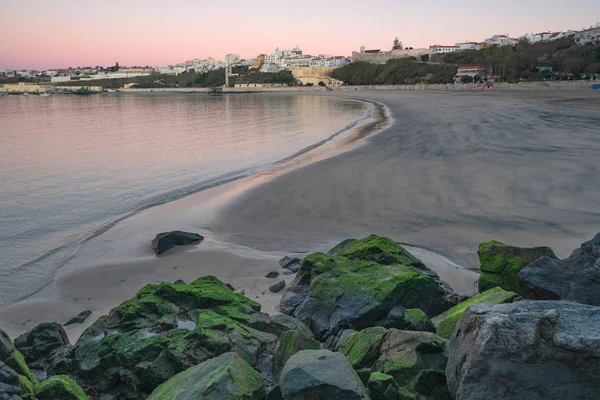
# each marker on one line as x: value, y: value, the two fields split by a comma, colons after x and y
x: 438, y: 49
x: 259, y: 61
x: 469, y: 46
x: 501, y: 40
x: 470, y: 71
x: 231, y: 59
x: 271, y: 67
x: 591, y: 35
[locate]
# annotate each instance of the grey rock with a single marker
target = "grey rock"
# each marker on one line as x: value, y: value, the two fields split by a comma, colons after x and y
x: 8, y: 375
x: 277, y: 287
x: 576, y: 278
x: 272, y: 274
x: 165, y: 241
x: 80, y: 318
x: 320, y: 375
x: 530, y: 350
x: 37, y: 344
x: 290, y: 263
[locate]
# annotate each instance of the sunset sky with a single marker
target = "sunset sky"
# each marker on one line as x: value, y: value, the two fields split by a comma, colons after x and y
x: 60, y: 33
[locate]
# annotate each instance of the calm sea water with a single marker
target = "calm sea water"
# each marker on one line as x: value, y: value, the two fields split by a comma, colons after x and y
x: 70, y: 166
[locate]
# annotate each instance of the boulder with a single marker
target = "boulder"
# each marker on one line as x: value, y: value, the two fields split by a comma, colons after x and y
x: 290, y: 343
x: 272, y: 274
x: 320, y: 375
x: 416, y: 360
x: 384, y: 387
x: 80, y: 318
x: 277, y: 287
x: 59, y: 387
x: 227, y: 377
x: 500, y: 264
x: 290, y: 263
x: 576, y: 278
x: 529, y: 350
x: 492, y: 296
x: 37, y: 344
x: 13, y: 358
x: 363, y: 283
x: 163, y: 330
x: 165, y: 241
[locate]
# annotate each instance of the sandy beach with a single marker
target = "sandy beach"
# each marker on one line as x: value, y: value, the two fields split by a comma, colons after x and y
x: 445, y: 172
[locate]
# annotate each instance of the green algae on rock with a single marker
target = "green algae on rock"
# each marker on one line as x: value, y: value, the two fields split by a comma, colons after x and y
x: 384, y: 387
x: 290, y: 343
x: 226, y: 377
x: 59, y: 387
x: 496, y: 295
x: 363, y: 283
x: 416, y: 360
x: 500, y: 264
x: 165, y: 329
x: 13, y: 357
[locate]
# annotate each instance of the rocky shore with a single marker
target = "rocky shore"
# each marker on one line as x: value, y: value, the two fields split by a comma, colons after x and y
x: 355, y: 323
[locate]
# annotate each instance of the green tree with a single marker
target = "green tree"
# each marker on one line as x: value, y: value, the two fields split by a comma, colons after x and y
x: 397, y: 45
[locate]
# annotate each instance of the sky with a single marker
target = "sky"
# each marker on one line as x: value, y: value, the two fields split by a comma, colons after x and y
x: 41, y: 34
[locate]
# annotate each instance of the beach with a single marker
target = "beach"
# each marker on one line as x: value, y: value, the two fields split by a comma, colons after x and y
x: 440, y: 172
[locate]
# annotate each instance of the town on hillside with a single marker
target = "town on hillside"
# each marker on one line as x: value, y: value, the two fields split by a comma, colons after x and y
x: 292, y: 60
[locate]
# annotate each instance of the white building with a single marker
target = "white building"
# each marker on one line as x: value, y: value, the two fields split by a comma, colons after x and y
x: 501, y: 40
x: 591, y: 35
x: 470, y: 71
x: 271, y: 67
x: 231, y: 59
x: 438, y: 49
x: 469, y: 46
x: 337, y: 61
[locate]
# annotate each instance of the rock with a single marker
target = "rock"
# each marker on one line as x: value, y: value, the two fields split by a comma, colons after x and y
x: 500, y: 264
x: 320, y: 375
x: 277, y: 287
x: 384, y: 387
x: 416, y: 360
x: 278, y: 323
x: 530, y: 350
x: 179, y: 282
x: 13, y: 358
x: 8, y: 375
x: 290, y: 343
x: 163, y: 330
x: 37, y: 344
x: 290, y: 263
x: 59, y: 387
x: 80, y: 318
x: 272, y: 274
x: 167, y: 240
x: 364, y: 283
x: 227, y: 377
x: 576, y: 278
x: 491, y: 296
x: 410, y: 320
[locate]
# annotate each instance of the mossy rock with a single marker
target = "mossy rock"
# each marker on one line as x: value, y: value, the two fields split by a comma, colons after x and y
x: 59, y: 387
x: 384, y: 387
x: 227, y: 377
x: 13, y: 357
x: 290, y: 343
x: 500, y: 264
x: 26, y: 387
x: 496, y: 295
x: 367, y: 282
x: 415, y: 360
x: 164, y: 330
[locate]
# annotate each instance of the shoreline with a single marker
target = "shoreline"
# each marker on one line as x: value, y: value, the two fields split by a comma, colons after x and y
x: 422, y: 179
x: 63, y: 297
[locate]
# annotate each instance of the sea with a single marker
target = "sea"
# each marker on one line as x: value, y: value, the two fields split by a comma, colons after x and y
x: 73, y: 166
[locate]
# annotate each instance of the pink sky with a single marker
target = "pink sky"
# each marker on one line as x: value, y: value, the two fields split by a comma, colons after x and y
x: 60, y: 33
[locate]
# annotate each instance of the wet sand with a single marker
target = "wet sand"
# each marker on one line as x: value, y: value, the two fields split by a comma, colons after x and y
x: 453, y: 170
